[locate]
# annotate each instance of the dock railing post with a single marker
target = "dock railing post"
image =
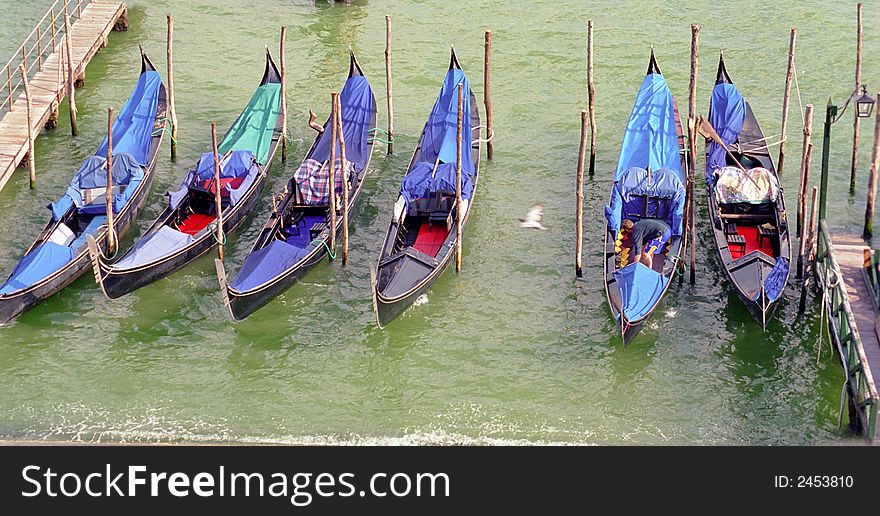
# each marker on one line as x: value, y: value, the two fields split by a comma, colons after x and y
x: 872, y: 178
x: 579, y: 198
x: 855, y: 144
x: 171, y: 106
x: 9, y: 82
x: 459, y: 216
x: 32, y: 171
x: 786, y: 98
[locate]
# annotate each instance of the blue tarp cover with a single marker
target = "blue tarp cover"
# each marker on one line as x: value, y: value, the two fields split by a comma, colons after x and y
x: 267, y: 263
x: 46, y: 259
x: 726, y: 114
x: 239, y: 163
x: 640, y: 289
x: 627, y: 201
x: 419, y: 184
x: 774, y: 283
x: 93, y: 174
x: 160, y: 243
x: 133, y: 127
x: 650, y: 139
x: 356, y: 101
x: 440, y: 140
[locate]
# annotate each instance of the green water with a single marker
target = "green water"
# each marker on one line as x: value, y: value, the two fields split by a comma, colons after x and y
x: 514, y: 349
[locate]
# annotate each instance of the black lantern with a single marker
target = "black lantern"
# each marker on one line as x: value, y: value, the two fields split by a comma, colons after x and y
x: 865, y: 104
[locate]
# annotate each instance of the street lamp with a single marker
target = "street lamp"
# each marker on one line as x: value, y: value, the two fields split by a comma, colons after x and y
x: 865, y: 106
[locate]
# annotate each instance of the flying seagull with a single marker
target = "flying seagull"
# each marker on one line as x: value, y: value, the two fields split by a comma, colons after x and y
x: 533, y: 218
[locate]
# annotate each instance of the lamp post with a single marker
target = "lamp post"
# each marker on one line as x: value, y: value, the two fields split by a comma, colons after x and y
x: 865, y: 106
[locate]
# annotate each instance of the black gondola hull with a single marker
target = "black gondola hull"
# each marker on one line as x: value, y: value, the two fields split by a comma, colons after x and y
x: 118, y: 282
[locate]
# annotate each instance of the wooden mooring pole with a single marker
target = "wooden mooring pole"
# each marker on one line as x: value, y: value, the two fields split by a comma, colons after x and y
x: 855, y: 144
x: 108, y: 192
x: 218, y: 196
x: 579, y: 198
x: 71, y: 78
x: 334, y: 138
x: 692, y: 149
x: 810, y: 265
x: 487, y: 94
x: 283, y: 97
x: 804, y: 185
x: 32, y: 170
x: 786, y: 99
x: 345, y: 178
x: 388, y: 93
x: 171, y: 105
x: 872, y: 178
x: 802, y: 204
x: 591, y: 94
x: 458, y: 202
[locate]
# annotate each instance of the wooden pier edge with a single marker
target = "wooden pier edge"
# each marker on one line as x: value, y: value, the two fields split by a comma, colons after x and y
x: 89, y: 34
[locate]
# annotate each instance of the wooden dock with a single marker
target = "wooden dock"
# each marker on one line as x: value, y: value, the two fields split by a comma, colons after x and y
x: 850, y: 251
x: 91, y: 23
x: 846, y: 272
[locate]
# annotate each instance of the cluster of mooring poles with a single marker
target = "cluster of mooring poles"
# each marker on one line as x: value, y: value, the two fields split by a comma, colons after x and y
x: 807, y: 219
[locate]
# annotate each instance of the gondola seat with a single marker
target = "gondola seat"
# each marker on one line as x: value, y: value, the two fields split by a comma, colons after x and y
x: 737, y: 242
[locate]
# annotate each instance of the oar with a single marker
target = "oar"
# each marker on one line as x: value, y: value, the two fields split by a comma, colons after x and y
x: 707, y: 131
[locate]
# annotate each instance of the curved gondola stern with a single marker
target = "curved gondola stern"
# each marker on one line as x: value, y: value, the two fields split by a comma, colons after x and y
x: 354, y: 68
x: 146, y: 64
x: 270, y: 73
x: 96, y: 257
x: 223, y: 279
x: 722, y: 77
x: 653, y: 67
x: 453, y: 59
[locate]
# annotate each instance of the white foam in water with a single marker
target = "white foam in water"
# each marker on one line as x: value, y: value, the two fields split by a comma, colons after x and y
x: 421, y: 300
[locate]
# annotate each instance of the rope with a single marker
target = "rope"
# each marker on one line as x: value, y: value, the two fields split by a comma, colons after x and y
x: 378, y: 139
x: 166, y: 129
x: 331, y: 253
x: 222, y: 240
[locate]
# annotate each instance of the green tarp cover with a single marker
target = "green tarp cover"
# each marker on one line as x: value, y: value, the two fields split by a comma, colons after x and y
x: 255, y: 125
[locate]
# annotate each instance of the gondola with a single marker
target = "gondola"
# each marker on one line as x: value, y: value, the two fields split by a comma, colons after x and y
x: 59, y: 255
x: 746, y: 209
x: 186, y: 229
x: 648, y: 184
x: 421, y: 237
x: 296, y: 235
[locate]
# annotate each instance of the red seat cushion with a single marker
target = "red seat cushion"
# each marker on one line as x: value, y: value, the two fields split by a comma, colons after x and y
x: 430, y: 238
x: 233, y: 182
x: 195, y: 223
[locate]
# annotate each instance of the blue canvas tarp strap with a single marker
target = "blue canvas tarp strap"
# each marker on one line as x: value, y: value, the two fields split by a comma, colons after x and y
x: 727, y: 113
x: 356, y: 101
x: 133, y: 127
x: 640, y: 290
x: 651, y: 139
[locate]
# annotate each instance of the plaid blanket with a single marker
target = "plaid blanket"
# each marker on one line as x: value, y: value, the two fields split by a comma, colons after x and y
x: 313, y: 180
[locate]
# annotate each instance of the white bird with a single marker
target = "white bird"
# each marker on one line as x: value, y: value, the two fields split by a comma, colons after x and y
x: 533, y: 218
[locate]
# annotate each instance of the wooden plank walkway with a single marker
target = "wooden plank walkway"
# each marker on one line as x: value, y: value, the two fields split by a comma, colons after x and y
x: 850, y: 253
x: 88, y: 35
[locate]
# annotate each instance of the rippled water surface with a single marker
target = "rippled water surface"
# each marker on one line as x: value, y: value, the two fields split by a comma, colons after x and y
x: 514, y: 349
